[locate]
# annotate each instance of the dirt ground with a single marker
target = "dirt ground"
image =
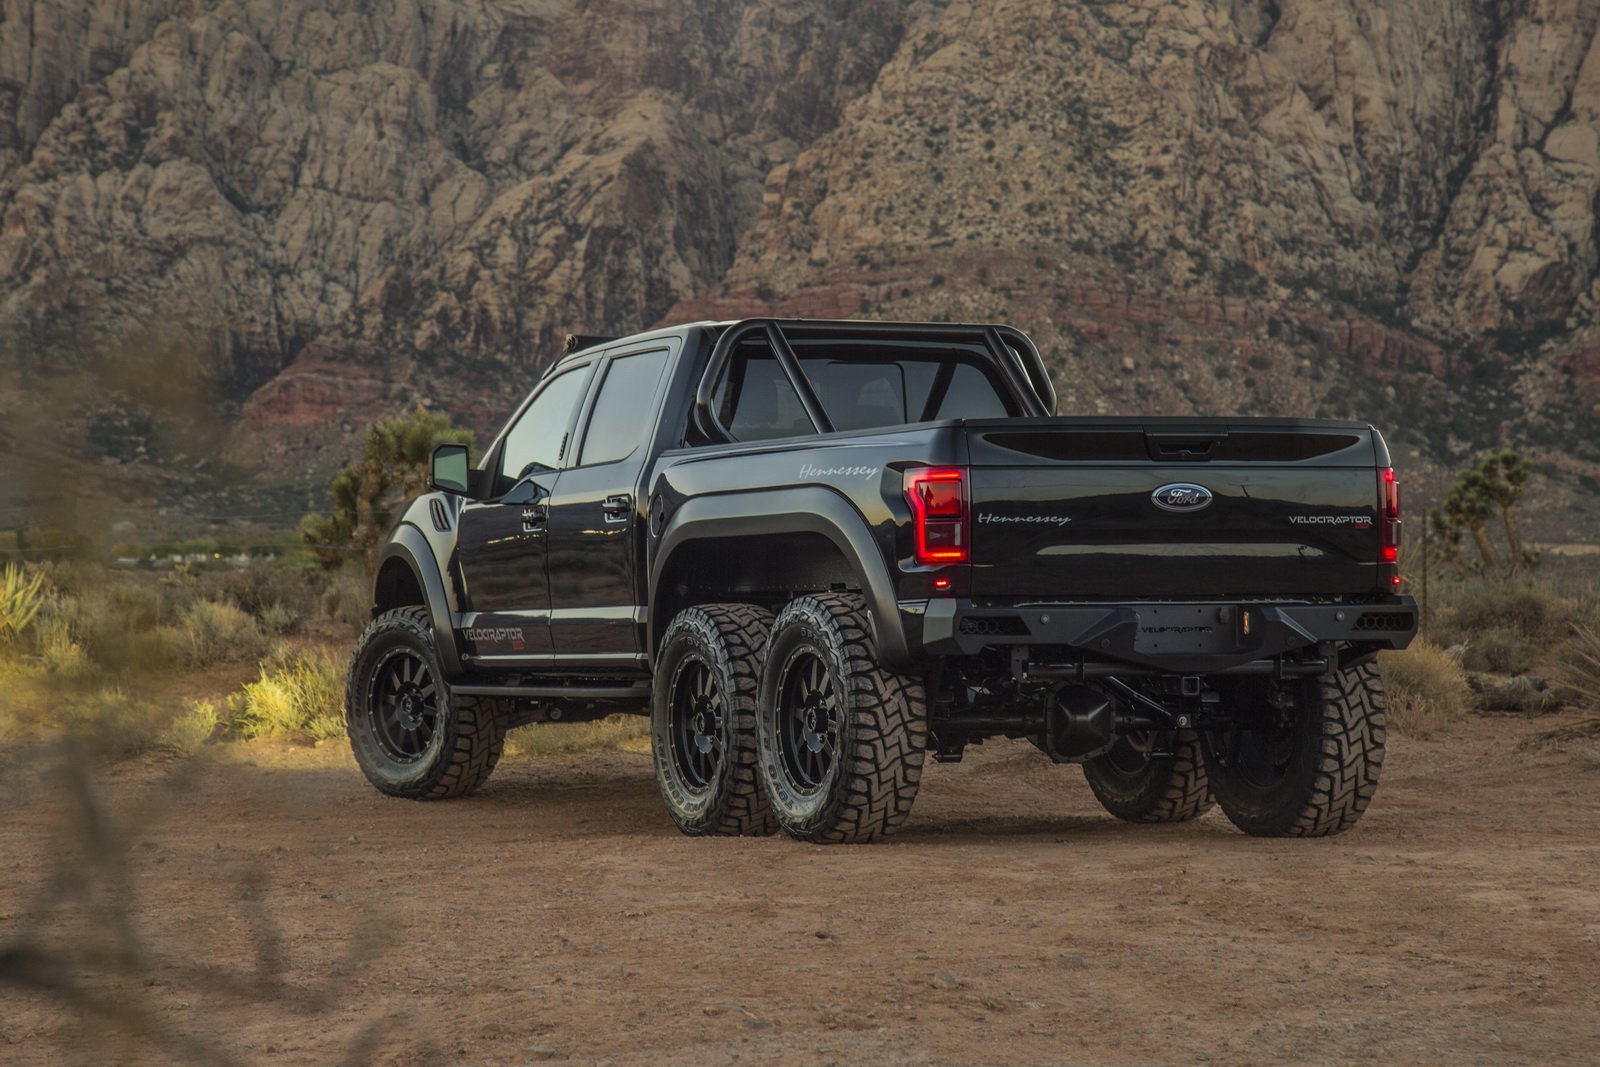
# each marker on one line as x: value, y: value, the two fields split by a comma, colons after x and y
x: 558, y: 915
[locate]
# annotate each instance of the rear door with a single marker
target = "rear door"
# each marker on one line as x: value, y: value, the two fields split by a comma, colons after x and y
x: 501, y: 547
x: 1072, y: 509
x: 596, y: 529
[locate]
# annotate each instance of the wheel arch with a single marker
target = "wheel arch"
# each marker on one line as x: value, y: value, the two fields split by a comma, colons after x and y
x: 714, y: 547
x: 406, y: 568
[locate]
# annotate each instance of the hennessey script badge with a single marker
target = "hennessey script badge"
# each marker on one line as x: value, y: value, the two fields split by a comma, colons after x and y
x: 1181, y: 496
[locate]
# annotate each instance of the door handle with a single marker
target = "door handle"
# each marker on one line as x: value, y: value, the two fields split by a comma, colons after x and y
x: 617, y: 507
x: 533, y: 517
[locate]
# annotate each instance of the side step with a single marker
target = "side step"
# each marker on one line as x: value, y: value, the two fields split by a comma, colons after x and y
x: 558, y: 692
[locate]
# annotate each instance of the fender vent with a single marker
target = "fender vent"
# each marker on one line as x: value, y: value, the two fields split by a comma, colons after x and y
x: 994, y: 626
x: 1384, y: 621
x: 441, y: 517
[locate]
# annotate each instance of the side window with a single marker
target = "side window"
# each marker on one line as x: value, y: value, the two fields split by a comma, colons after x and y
x: 622, y: 411
x: 972, y: 396
x: 539, y: 437
x: 756, y: 401
x: 859, y: 396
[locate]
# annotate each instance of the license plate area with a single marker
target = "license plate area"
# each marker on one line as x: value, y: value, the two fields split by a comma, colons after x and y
x: 1188, y: 629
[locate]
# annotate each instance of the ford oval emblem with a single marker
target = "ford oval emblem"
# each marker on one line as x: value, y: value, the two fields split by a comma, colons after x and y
x: 1181, y: 496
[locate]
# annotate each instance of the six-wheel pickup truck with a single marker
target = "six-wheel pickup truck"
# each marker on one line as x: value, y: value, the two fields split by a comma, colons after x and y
x: 817, y: 552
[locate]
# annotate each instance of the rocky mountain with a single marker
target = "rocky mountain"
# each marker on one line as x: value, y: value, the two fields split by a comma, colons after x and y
x: 332, y: 207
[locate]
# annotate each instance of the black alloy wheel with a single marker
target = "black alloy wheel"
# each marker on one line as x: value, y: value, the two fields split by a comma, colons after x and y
x: 703, y: 719
x: 402, y: 705
x: 841, y: 738
x: 809, y: 715
x: 695, y: 712
x: 412, y: 737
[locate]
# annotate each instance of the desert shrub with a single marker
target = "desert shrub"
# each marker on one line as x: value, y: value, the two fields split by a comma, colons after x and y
x: 545, y: 739
x: 114, y: 722
x: 1579, y: 671
x: 277, y: 594
x: 1578, y: 679
x: 1505, y: 626
x: 1480, y: 606
x: 1427, y: 688
x: 347, y: 599
x: 52, y: 642
x: 297, y: 695
x: 1502, y: 650
x: 112, y: 628
x: 278, y: 620
x: 21, y: 596
x: 214, y: 632
x: 191, y: 729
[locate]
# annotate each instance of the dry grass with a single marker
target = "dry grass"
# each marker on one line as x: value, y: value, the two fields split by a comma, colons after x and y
x: 1427, y: 689
x: 542, y: 740
x: 1579, y: 677
x: 299, y: 695
x: 216, y: 632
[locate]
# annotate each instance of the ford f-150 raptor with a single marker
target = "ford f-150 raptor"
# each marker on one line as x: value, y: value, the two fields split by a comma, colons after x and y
x: 815, y: 553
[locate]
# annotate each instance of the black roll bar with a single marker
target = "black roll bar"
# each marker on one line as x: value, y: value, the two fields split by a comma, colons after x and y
x: 1018, y: 359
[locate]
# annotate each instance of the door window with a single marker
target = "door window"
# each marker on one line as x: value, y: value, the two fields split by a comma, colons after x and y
x: 623, y: 410
x: 539, y: 438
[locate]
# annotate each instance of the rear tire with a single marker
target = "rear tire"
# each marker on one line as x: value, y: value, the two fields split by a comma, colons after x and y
x: 1310, y: 766
x: 841, y: 739
x: 411, y: 736
x: 703, y: 720
x: 1137, y: 787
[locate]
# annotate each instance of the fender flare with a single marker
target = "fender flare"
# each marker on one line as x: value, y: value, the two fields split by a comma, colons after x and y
x: 408, y: 544
x: 807, y: 509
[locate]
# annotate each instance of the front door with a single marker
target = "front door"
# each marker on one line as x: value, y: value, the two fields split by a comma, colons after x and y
x: 502, y: 546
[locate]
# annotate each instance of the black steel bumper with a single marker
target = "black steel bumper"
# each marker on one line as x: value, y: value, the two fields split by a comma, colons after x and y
x: 1180, y: 636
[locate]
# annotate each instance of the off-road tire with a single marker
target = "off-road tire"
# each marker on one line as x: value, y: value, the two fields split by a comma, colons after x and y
x: 1334, y: 746
x: 1163, y: 788
x: 881, y: 736
x: 728, y: 642
x: 468, y: 733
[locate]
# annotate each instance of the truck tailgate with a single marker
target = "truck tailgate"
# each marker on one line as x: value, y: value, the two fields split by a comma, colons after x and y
x: 1064, y: 509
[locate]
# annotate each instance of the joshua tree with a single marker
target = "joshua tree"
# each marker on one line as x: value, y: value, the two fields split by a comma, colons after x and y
x: 393, y: 467
x: 1505, y: 476
x: 1495, y: 483
x: 1448, y: 543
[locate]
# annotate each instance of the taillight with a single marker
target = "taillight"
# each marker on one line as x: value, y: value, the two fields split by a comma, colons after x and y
x: 938, y: 498
x: 1389, y: 515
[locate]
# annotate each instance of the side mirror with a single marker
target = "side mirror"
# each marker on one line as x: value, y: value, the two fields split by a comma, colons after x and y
x: 448, y: 471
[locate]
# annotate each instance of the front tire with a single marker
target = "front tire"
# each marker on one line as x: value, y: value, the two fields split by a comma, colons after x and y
x: 1136, y: 786
x: 841, y: 739
x: 703, y: 720
x: 411, y: 736
x: 1308, y: 764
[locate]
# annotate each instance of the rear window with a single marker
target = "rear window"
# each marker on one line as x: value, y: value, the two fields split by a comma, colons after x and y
x: 860, y: 388
x: 621, y: 411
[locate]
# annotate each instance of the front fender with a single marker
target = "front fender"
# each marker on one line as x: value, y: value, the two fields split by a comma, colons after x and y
x: 803, y: 509
x: 410, y: 545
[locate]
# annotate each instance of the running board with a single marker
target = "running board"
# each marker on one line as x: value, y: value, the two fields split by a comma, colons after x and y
x: 556, y: 692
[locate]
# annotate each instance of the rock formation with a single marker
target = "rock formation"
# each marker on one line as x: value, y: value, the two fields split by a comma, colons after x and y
x: 1335, y: 207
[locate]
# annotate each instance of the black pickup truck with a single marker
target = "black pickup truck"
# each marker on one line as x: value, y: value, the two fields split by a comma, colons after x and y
x: 816, y: 552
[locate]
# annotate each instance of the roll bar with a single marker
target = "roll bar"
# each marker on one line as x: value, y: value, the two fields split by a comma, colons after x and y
x: 1013, y: 351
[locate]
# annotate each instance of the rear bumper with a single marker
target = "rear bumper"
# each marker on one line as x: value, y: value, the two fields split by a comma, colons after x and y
x: 1179, y: 636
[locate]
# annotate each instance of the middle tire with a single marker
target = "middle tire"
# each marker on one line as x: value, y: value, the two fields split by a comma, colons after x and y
x: 1137, y: 786
x: 702, y: 719
x: 841, y: 740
